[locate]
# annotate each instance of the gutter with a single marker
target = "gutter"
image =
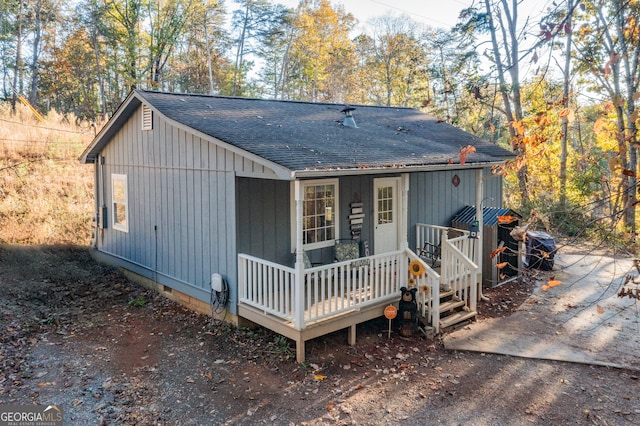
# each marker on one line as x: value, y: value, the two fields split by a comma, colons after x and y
x: 300, y: 174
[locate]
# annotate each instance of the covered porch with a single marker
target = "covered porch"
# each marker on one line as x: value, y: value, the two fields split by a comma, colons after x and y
x: 302, y: 303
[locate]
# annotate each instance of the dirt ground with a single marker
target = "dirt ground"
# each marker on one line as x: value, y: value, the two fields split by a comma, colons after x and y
x: 78, y: 334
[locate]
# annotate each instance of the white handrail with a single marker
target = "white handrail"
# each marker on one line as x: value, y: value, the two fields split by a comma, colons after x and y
x: 327, y: 290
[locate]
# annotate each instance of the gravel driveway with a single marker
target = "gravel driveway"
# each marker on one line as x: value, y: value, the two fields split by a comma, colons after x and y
x: 79, y: 335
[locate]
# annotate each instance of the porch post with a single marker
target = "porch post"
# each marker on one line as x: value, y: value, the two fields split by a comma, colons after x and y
x: 404, y: 239
x: 299, y: 277
x: 480, y: 219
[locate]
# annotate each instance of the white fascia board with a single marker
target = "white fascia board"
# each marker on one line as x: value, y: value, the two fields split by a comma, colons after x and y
x: 300, y: 174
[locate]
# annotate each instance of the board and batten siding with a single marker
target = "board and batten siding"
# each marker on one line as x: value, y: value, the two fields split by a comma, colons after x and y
x: 434, y: 200
x: 181, y: 199
x: 264, y: 223
x: 265, y: 209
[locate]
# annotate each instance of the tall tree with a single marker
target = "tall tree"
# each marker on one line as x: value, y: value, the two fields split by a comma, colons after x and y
x: 456, y: 85
x: 126, y: 18
x: 499, y: 18
x: 69, y: 79
x: 255, y: 21
x: 566, y: 89
x: 8, y: 12
x: 166, y: 20
x: 608, y: 49
x: 274, y: 52
x: 43, y: 19
x: 397, y: 59
x: 18, y: 58
x: 95, y: 28
x: 198, y: 63
x: 322, y: 38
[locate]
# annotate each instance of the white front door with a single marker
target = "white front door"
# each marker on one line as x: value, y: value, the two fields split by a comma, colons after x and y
x: 386, y: 218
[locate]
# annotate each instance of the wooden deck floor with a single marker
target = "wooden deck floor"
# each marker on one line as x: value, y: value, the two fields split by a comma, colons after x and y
x: 349, y: 317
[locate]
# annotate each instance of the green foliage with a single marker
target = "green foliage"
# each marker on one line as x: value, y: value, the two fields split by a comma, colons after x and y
x: 138, y: 302
x: 283, y: 346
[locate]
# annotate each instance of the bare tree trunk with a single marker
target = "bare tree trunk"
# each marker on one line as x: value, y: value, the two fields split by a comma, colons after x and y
x: 33, y: 93
x: 629, y: 59
x: 565, y: 100
x: 96, y: 51
x: 16, y: 71
x: 208, y: 47
x: 240, y: 51
x: 510, y: 93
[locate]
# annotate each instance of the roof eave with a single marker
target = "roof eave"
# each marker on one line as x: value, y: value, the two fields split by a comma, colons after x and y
x: 303, y: 174
x: 124, y: 111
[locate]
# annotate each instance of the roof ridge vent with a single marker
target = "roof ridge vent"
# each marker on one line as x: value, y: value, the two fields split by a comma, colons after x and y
x: 349, y: 121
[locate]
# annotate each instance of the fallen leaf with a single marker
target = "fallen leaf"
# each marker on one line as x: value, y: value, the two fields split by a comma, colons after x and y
x: 545, y: 287
x: 600, y: 309
x: 319, y: 377
x: 503, y: 220
x: 330, y: 406
x: 496, y: 251
x: 553, y: 283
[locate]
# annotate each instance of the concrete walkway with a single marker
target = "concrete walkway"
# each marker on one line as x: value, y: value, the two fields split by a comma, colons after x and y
x: 582, y: 320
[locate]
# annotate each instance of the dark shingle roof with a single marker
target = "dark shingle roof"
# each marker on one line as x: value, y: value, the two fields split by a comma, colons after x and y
x: 310, y: 136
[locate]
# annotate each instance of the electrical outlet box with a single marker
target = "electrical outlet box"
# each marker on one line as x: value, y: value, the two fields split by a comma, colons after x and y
x: 216, y: 282
x: 103, y: 217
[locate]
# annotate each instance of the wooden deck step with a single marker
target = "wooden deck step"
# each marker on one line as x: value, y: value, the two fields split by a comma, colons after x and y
x: 456, y: 318
x: 445, y: 294
x: 450, y: 305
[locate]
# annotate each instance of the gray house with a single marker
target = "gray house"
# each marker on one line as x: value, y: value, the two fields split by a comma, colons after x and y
x: 305, y: 218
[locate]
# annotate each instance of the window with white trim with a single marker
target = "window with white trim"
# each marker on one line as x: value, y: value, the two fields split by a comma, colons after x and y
x: 120, y: 202
x: 319, y: 213
x: 147, y: 117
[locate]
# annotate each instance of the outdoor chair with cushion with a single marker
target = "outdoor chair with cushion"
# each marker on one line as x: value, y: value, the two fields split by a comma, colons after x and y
x: 347, y: 250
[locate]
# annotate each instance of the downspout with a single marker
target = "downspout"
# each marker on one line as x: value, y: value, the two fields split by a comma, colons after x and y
x: 299, y: 277
x: 96, y: 195
x: 480, y: 219
x: 103, y: 209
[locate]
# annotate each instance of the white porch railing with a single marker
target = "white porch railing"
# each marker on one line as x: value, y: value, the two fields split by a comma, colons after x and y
x: 267, y: 286
x: 337, y: 288
x: 429, y: 234
x: 458, y: 271
x: 433, y: 236
x: 329, y: 290
x: 428, y: 295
